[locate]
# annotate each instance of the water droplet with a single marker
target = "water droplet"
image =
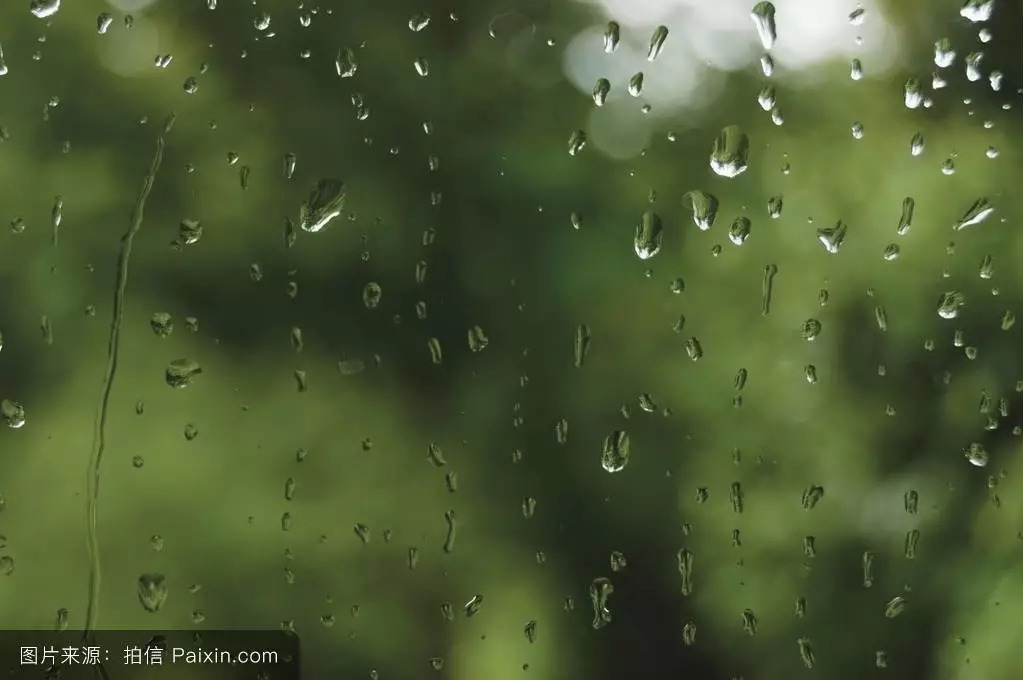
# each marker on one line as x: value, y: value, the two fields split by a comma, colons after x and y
x: 949, y: 304
x: 647, y: 241
x: 916, y: 144
x: 12, y: 414
x: 767, y: 288
x: 763, y: 15
x: 478, y: 340
x: 750, y: 622
x: 581, y: 345
x: 973, y: 62
x: 152, y: 591
x: 472, y: 607
x: 944, y: 55
x: 740, y: 230
x: 436, y: 353
x: 601, y: 590
x: 612, y: 36
x: 162, y: 324
x: 987, y: 269
x: 180, y: 372
x: 975, y: 214
x: 977, y: 454
x: 635, y: 87
x: 703, y: 206
x: 684, y: 558
x: 832, y: 238
x: 729, y: 156
x: 418, y: 22
x: 806, y: 654
x: 615, y: 455
x: 914, y: 93
x: 660, y: 34
x: 906, y: 218
x: 894, y: 607
x: 576, y: 142
x: 44, y: 9
x: 811, y: 329
x: 977, y: 11
x: 345, y: 63
x: 600, y: 91
x: 372, y: 294
x: 63, y: 619
x: 325, y: 202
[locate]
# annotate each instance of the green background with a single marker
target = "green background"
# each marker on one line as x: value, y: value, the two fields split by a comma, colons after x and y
x: 506, y: 258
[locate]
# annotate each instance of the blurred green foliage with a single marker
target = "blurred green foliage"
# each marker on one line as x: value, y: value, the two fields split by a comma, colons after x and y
x: 459, y: 192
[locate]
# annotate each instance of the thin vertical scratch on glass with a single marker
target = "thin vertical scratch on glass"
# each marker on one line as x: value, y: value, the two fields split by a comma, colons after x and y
x: 113, y: 345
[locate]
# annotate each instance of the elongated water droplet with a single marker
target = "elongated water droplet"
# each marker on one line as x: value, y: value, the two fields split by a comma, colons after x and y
x: 576, y: 142
x: 289, y: 162
x: 660, y: 34
x: 647, y: 241
x: 612, y: 36
x: 806, y: 654
x: 600, y: 91
x: 478, y: 339
x: 895, y: 606
x: 975, y: 214
x: 684, y: 558
x: 601, y: 590
x: 345, y: 63
x: 636, y: 84
x: 615, y: 455
x: 914, y: 93
x: 916, y: 144
x: 581, y: 345
x: 944, y: 55
x: 906, y: 218
x: 763, y: 18
x: 767, y: 286
x: 325, y: 202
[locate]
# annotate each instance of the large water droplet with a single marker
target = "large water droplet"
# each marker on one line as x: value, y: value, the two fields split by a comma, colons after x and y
x: 647, y: 241
x: 729, y: 156
x: 325, y: 202
x: 763, y: 18
x: 152, y: 591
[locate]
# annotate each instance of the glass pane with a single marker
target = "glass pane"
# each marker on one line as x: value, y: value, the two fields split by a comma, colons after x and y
x: 599, y: 339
